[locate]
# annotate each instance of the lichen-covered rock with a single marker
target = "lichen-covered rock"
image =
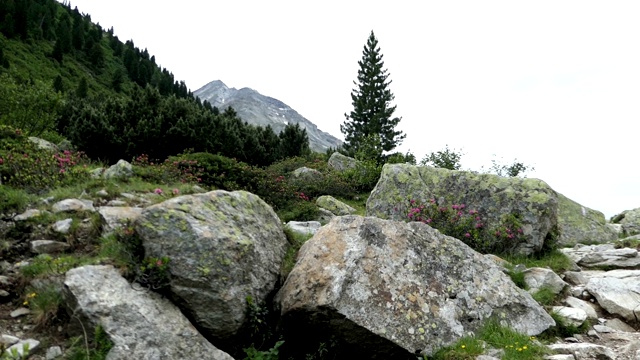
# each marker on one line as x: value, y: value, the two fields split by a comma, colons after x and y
x: 44, y: 144
x: 122, y: 169
x: 223, y: 247
x: 494, y: 197
x: 73, y: 205
x: 307, y: 174
x: 334, y: 205
x: 629, y: 220
x: 115, y: 217
x: 341, y: 162
x: 579, y: 224
x: 304, y: 227
x: 388, y: 289
x: 140, y: 323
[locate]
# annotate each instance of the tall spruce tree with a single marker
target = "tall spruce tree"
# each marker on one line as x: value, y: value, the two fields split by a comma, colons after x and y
x: 372, y: 114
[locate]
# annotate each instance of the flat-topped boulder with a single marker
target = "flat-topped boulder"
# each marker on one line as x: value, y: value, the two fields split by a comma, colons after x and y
x: 532, y: 201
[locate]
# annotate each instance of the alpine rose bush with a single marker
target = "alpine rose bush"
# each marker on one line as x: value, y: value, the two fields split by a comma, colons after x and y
x: 468, y: 226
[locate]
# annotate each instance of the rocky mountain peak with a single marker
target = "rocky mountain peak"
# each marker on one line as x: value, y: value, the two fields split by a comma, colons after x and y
x: 263, y: 110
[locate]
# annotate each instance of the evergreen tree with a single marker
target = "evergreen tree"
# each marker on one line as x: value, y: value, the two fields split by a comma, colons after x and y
x: 58, y: 86
x: 294, y: 141
x: 83, y: 89
x: 371, y: 116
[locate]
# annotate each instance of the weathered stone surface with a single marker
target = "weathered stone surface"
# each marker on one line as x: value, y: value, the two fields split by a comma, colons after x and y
x: 224, y: 246
x: 308, y: 174
x: 579, y: 224
x: 19, y: 312
x: 48, y: 246
x: 44, y: 144
x: 582, y: 305
x: 492, y: 196
x: 304, y: 227
x: 334, y: 205
x: 560, y: 357
x: 62, y: 226
x: 629, y: 220
x: 341, y: 162
x: 115, y: 217
x: 140, y: 323
x: 605, y: 255
x: 30, y: 345
x: 570, y: 315
x: 122, y: 169
x: 619, y: 325
x: 73, y: 205
x: 618, y: 292
x: 28, y: 214
x: 575, y: 278
x: 537, y: 278
x: 53, y: 352
x: 585, y: 351
x: 391, y: 288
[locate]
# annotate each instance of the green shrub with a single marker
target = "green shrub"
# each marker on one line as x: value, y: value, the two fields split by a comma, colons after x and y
x: 446, y: 159
x: 13, y: 200
x: 173, y: 170
x: 45, y: 303
x: 468, y: 226
x: 364, y: 177
x: 24, y: 165
x: 84, y: 348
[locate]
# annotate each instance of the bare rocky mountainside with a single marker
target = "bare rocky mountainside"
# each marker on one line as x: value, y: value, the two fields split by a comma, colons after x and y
x: 262, y: 110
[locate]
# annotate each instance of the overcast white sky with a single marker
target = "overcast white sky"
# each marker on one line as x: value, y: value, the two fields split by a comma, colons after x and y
x: 555, y: 84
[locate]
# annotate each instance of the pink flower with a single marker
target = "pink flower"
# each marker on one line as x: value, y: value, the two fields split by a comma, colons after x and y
x: 467, y: 235
x: 158, y: 191
x: 175, y: 191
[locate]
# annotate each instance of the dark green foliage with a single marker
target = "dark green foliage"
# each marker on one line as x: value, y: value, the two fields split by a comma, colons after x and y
x: 221, y: 172
x: 372, y: 113
x: 117, y: 79
x: 29, y: 106
x: 23, y: 165
x: 58, y: 85
x: 82, y: 91
x: 294, y: 141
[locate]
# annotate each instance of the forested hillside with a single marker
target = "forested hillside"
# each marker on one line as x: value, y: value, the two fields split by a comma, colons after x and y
x: 64, y: 77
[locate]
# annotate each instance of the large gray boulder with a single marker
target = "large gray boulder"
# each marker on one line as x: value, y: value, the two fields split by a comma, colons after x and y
x: 341, y: 162
x: 224, y: 247
x: 115, y: 217
x: 629, y: 220
x: 140, y: 324
x: 580, y: 225
x: 603, y: 256
x: 122, y: 169
x: 618, y: 292
x: 389, y: 289
x: 493, y: 196
x: 334, y: 205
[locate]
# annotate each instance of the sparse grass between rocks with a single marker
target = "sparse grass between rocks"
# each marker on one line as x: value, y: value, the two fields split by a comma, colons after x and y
x: 492, y: 335
x: 554, y: 260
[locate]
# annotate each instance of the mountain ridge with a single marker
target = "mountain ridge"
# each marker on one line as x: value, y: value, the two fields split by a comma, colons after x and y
x: 263, y: 110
